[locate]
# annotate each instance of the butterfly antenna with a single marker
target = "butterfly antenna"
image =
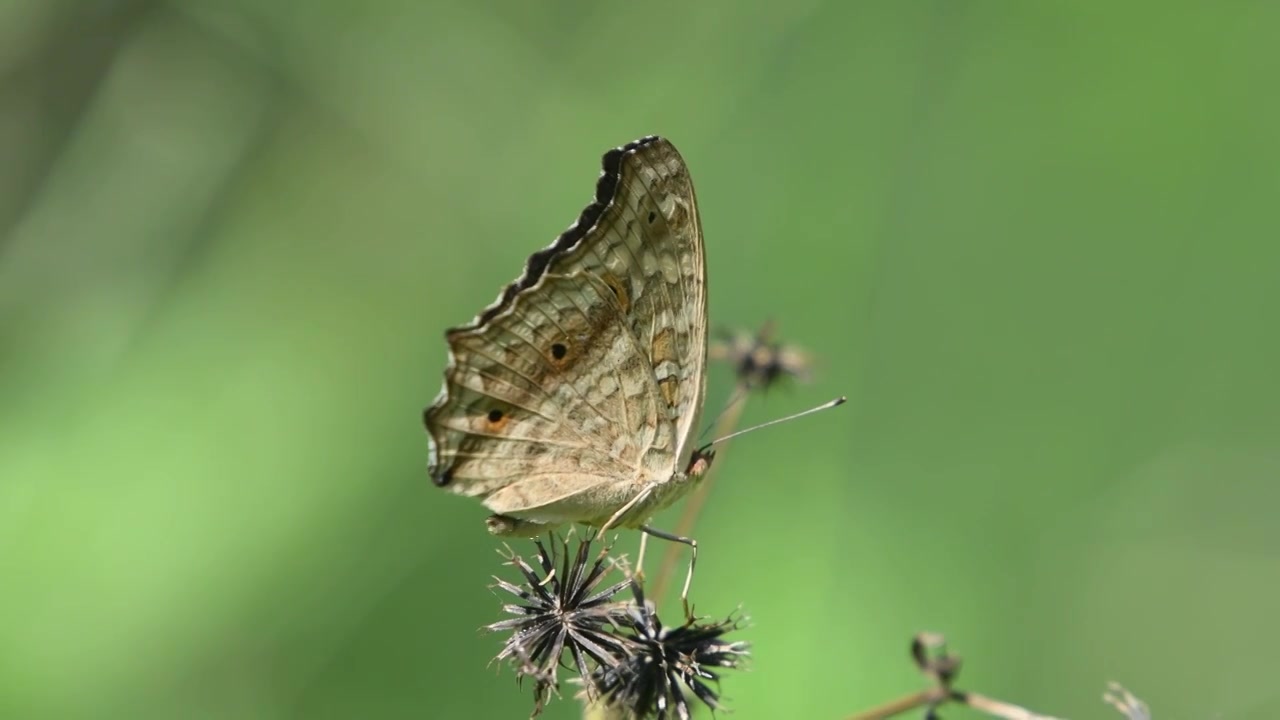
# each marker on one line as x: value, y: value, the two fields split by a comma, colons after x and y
x: 824, y: 406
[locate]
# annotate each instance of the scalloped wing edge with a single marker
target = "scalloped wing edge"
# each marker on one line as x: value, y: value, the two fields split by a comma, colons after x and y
x: 534, y: 268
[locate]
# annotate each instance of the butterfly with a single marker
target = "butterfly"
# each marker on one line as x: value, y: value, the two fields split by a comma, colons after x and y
x: 574, y: 396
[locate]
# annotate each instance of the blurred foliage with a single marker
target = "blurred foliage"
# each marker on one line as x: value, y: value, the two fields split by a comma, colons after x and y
x: 1036, y: 244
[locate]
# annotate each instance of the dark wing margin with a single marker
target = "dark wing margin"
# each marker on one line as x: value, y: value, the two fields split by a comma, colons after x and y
x: 536, y: 265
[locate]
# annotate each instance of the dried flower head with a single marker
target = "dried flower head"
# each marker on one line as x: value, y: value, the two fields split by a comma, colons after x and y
x: 758, y: 360
x: 929, y: 651
x: 665, y: 661
x: 562, y: 607
x: 1126, y: 702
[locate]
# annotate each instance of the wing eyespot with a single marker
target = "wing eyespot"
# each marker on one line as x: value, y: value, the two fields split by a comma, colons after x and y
x: 559, y: 355
x: 496, y: 420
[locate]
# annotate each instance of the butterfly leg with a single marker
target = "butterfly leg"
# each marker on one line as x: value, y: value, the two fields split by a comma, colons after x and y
x: 622, y: 511
x: 639, y: 573
x: 688, y: 578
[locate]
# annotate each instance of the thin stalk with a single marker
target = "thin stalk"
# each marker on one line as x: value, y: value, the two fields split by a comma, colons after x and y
x: 693, y: 506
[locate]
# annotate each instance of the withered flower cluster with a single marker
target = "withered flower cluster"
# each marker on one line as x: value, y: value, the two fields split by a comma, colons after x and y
x: 758, y: 359
x: 566, y: 616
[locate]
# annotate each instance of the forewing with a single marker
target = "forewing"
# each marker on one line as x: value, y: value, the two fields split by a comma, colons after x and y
x: 669, y: 313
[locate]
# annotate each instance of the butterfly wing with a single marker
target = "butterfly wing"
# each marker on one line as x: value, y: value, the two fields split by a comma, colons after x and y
x: 581, y: 383
x: 662, y: 237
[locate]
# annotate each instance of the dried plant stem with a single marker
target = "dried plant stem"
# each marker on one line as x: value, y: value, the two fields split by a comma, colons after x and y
x: 939, y: 695
x: 940, y: 668
x: 693, y: 506
x: 931, y: 696
x: 997, y: 708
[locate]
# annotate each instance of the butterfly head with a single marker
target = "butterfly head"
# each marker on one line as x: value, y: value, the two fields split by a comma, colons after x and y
x: 700, y: 462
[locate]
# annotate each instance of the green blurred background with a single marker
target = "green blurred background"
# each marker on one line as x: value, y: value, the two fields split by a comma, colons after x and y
x: 1035, y: 243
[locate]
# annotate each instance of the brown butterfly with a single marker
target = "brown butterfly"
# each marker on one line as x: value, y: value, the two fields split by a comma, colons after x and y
x: 573, y: 397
